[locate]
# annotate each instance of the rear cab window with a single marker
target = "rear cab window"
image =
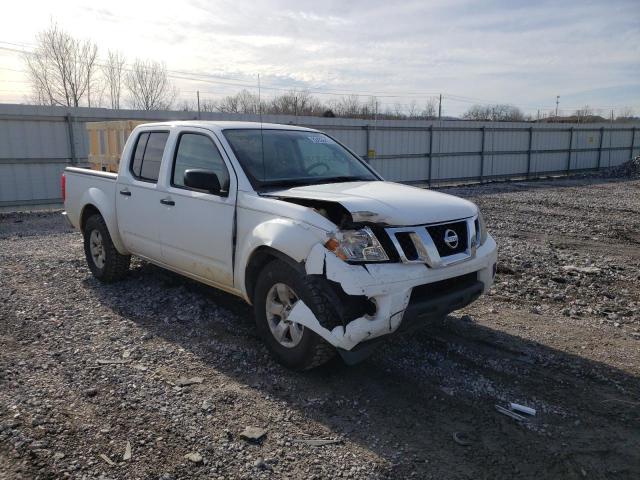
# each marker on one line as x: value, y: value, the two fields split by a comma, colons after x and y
x: 147, y: 156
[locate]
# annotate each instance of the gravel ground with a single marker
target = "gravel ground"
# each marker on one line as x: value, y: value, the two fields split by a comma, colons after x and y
x: 171, y: 373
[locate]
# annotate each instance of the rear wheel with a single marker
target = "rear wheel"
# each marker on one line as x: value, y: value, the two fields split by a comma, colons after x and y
x: 278, y: 289
x: 105, y: 262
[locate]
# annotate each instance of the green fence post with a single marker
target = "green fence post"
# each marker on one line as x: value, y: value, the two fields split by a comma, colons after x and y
x: 482, y: 154
x: 570, y: 150
x: 72, y: 143
x: 430, y: 154
x: 529, y: 152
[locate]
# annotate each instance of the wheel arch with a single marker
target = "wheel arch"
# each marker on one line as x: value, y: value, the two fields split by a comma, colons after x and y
x: 95, y: 201
x: 280, y: 238
x: 258, y: 259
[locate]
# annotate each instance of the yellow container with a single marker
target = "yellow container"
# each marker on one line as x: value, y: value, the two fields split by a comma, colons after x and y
x: 106, y: 141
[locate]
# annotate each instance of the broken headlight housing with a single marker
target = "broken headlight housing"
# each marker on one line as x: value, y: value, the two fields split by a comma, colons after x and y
x: 481, y: 229
x: 357, y: 246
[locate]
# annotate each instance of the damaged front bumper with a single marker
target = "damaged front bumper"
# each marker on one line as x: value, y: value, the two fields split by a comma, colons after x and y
x: 402, y: 293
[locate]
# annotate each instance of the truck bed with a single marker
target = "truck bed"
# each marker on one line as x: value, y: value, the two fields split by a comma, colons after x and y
x: 84, y: 186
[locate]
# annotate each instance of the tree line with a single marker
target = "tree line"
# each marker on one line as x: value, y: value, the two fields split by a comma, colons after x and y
x: 66, y: 71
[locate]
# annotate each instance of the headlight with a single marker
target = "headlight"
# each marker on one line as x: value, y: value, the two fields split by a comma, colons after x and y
x: 481, y: 229
x: 357, y: 245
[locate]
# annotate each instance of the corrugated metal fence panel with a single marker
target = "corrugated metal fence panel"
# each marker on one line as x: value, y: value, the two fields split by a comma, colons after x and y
x: 456, y: 167
x: 35, y: 146
x: 401, y: 169
x: 23, y: 184
x: 45, y: 139
x: 457, y: 141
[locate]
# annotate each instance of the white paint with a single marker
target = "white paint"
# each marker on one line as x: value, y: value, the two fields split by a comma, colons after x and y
x: 393, y: 203
x: 389, y: 285
x: 141, y: 225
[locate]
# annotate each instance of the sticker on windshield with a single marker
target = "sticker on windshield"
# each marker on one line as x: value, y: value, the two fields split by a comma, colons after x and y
x: 319, y: 139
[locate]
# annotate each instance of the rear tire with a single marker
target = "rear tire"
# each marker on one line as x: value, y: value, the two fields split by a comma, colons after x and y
x: 299, y: 348
x: 104, y: 261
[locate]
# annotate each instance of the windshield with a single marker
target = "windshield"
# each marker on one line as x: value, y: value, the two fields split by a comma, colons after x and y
x: 293, y: 157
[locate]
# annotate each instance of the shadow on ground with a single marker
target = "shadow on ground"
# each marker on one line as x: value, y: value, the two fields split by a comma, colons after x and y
x: 406, y: 401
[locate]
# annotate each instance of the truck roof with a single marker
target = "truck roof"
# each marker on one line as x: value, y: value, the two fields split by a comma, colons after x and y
x: 226, y: 125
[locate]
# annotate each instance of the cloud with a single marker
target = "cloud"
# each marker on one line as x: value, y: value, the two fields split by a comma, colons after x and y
x: 512, y: 51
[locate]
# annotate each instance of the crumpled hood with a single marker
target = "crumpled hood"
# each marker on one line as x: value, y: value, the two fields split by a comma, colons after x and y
x: 385, y: 202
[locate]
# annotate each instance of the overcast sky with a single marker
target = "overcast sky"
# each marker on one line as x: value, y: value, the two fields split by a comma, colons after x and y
x: 508, y: 51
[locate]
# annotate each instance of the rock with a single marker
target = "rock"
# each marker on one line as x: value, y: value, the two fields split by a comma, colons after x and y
x: 253, y: 434
x: 107, y: 459
x: 194, y: 457
x: 58, y: 456
x: 586, y: 270
x: 127, y: 452
x: 261, y: 464
x: 90, y: 392
x: 504, y: 269
x: 184, y: 382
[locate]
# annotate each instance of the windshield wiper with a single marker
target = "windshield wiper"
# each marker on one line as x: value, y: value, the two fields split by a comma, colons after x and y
x: 285, y: 182
x: 341, y: 178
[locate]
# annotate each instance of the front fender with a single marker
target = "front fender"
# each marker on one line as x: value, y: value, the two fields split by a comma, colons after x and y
x: 106, y: 206
x: 292, y: 238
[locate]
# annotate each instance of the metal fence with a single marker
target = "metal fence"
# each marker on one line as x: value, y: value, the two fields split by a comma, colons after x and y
x: 37, y: 143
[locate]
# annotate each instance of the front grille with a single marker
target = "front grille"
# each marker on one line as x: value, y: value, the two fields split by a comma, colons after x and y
x: 450, y: 285
x: 438, y: 233
x: 434, y: 245
x: 407, y: 245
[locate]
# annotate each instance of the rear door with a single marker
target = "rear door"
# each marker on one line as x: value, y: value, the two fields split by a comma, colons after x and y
x: 197, y: 233
x: 138, y: 196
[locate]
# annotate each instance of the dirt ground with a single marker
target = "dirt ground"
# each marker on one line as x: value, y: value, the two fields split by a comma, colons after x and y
x: 87, y: 369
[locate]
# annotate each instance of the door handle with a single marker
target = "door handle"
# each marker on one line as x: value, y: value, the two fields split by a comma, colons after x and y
x: 126, y: 193
x: 166, y: 201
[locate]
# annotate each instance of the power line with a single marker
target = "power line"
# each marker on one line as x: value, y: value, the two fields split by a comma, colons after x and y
x: 216, y: 79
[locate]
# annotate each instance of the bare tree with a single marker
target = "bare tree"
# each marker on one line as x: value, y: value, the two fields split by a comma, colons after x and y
x: 208, y: 105
x: 430, y: 109
x: 494, y: 113
x: 625, y: 113
x: 583, y: 114
x: 61, y: 68
x: 228, y: 104
x: 149, y: 86
x: 295, y: 102
x: 113, y: 73
x: 348, y: 106
x: 242, y: 102
x: 186, y: 106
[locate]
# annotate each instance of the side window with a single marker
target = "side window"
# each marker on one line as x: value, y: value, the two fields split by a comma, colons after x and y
x: 198, y: 151
x: 136, y: 163
x: 148, y: 155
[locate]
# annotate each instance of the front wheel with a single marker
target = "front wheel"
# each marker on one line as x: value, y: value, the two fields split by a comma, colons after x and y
x: 278, y: 289
x: 105, y: 262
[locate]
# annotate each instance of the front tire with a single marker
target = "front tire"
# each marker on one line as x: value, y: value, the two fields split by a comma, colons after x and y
x: 297, y: 347
x: 104, y: 261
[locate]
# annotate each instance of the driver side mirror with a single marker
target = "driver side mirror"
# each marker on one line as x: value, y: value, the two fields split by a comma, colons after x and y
x: 202, y: 180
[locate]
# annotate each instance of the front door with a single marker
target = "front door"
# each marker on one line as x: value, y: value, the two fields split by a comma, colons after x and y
x: 197, y: 235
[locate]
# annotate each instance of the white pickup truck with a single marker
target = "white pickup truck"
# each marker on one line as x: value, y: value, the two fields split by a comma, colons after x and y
x: 331, y: 256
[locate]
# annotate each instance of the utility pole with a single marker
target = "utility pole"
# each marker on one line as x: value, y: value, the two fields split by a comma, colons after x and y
x: 198, y: 96
x: 538, y: 118
x: 557, y: 103
x: 440, y: 107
